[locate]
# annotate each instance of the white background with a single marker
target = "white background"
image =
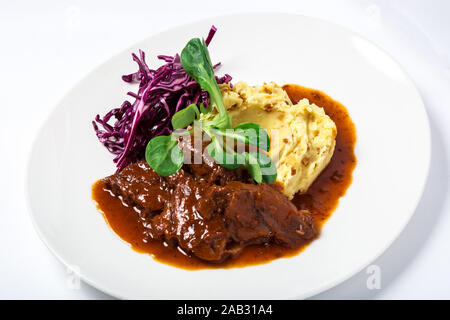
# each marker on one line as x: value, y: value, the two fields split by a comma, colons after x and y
x: 47, y: 46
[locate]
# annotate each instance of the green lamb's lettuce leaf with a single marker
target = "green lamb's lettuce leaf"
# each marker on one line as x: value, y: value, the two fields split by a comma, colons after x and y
x: 166, y: 158
x: 185, y: 117
x: 197, y: 64
x: 248, y: 133
x: 229, y: 160
x: 163, y: 155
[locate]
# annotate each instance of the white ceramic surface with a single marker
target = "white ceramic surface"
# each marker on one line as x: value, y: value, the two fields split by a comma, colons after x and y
x: 393, y: 151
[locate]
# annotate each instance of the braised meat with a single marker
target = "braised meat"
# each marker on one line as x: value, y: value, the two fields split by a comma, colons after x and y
x: 141, y: 187
x: 260, y: 213
x: 209, y: 211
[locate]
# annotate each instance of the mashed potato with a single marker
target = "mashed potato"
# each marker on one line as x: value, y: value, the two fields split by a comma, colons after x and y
x: 302, y: 135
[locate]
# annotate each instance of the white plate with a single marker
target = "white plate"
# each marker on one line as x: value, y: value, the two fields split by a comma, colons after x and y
x: 393, y: 151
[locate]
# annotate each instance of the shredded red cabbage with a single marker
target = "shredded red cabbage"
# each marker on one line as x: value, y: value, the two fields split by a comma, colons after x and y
x: 162, y: 93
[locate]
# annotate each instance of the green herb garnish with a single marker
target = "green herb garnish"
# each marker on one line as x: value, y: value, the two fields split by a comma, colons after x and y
x: 166, y: 158
x: 163, y: 155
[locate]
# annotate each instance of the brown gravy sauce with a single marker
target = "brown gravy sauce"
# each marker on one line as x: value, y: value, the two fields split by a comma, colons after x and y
x: 321, y: 199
